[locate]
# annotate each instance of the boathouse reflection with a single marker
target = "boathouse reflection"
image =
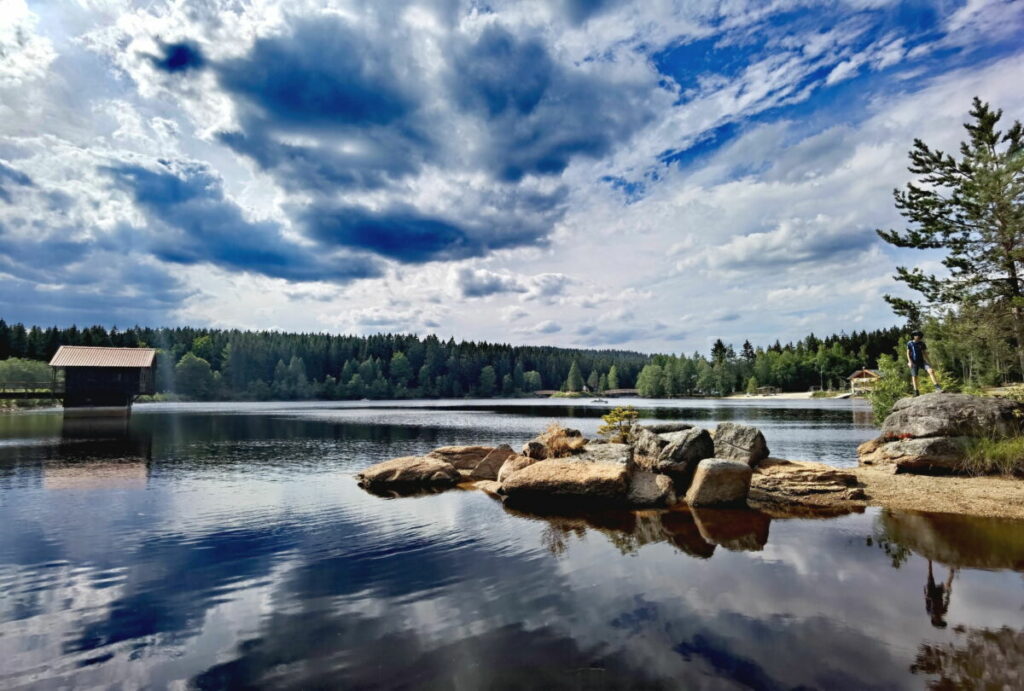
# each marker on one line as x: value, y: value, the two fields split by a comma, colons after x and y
x: 99, y: 453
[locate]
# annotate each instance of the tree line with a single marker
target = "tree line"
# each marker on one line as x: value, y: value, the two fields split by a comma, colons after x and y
x: 266, y: 365
x: 811, y: 362
x: 210, y: 364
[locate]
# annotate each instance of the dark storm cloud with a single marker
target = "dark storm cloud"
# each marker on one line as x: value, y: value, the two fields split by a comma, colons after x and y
x: 540, y: 115
x: 331, y: 84
x: 178, y: 57
x: 406, y: 235
x: 12, y: 176
x: 195, y: 223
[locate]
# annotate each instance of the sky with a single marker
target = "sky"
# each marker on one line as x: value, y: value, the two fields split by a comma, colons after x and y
x: 647, y: 176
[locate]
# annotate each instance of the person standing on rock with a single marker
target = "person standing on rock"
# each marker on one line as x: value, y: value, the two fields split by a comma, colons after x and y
x: 917, y: 358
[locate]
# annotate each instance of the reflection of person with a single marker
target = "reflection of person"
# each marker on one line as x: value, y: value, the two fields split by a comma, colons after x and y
x: 917, y: 358
x: 936, y: 597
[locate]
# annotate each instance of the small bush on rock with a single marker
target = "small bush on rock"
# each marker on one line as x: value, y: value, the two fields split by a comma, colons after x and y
x: 559, y: 442
x: 618, y: 423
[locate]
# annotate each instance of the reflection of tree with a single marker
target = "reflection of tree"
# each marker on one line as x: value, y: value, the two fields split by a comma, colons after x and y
x: 936, y: 597
x: 982, y: 659
x: 897, y: 553
x: 555, y: 536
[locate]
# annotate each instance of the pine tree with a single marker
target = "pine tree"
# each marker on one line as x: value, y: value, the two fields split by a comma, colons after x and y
x: 574, y: 382
x: 613, y: 377
x: 973, y: 208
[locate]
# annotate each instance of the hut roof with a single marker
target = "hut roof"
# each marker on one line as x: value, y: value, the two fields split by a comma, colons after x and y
x: 866, y: 374
x: 88, y: 356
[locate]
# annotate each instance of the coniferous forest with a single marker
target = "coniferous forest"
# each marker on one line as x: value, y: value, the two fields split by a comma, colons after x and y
x: 215, y: 364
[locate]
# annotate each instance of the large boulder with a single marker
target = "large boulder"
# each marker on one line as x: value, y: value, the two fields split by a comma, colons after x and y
x: 568, y: 482
x: 650, y: 489
x: 682, y: 454
x: 462, y: 457
x: 488, y: 468
x: 952, y: 415
x: 410, y: 471
x: 513, y: 464
x: 720, y: 482
x: 648, y: 444
x: 740, y: 443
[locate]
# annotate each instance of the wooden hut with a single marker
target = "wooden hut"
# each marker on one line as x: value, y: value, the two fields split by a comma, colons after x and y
x: 104, y: 377
x: 862, y: 380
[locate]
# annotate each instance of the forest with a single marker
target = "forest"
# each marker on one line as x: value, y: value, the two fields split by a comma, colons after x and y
x: 215, y: 364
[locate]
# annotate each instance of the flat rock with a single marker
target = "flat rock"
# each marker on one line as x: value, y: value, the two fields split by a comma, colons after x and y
x: 492, y: 487
x: 719, y: 482
x: 740, y: 443
x: 513, y: 464
x: 779, y: 481
x: 951, y: 415
x: 462, y: 457
x: 650, y: 489
x: 568, y: 481
x: 663, y: 427
x: 488, y: 468
x: 424, y: 471
x: 927, y: 455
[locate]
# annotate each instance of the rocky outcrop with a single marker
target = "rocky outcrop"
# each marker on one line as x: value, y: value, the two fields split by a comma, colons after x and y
x: 650, y: 489
x: 742, y: 443
x: 776, y: 481
x: 675, y: 453
x: 663, y: 427
x: 568, y: 482
x: 719, y: 482
x: 410, y: 471
x: 930, y: 433
x: 513, y: 464
x: 648, y: 444
x: 952, y: 415
x: 462, y: 457
x: 488, y: 468
x: 604, y: 453
x: 928, y: 455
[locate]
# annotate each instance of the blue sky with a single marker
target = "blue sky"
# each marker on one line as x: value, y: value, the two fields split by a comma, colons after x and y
x: 642, y: 175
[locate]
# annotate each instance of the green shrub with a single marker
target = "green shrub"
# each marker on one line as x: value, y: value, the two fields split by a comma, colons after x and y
x: 987, y: 456
x: 895, y: 384
x: 618, y: 424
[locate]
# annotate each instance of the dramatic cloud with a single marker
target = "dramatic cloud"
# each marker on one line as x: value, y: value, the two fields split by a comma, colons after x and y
x: 594, y: 172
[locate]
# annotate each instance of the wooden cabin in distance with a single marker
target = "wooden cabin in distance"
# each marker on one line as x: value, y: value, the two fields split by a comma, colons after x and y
x: 104, y: 377
x: 862, y: 380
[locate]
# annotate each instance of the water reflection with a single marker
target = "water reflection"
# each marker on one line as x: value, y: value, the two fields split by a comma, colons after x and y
x: 248, y: 557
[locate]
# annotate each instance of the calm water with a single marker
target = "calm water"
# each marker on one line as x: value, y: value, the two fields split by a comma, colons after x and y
x: 220, y: 546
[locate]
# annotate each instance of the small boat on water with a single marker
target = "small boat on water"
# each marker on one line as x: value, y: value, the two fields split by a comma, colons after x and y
x: 599, y: 400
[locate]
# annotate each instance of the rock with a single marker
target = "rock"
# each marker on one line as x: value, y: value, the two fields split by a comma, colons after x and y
x: 410, y: 471
x: 738, y: 530
x: 607, y: 452
x: 568, y: 481
x: 929, y: 455
x: 648, y: 444
x: 681, y: 456
x: 535, y: 449
x: 513, y: 464
x: 719, y: 482
x: 951, y: 415
x: 663, y: 427
x: 868, y: 452
x: 492, y: 487
x: 462, y: 457
x: 650, y: 489
x: 740, y: 443
x: 488, y: 468
x: 779, y: 482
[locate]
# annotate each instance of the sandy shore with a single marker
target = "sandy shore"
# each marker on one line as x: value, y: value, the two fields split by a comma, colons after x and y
x: 973, y: 496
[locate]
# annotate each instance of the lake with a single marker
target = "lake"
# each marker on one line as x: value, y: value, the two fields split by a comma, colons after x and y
x: 228, y: 545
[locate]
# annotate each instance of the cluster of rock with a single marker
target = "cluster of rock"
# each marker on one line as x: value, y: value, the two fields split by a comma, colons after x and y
x: 930, y: 433
x: 666, y: 463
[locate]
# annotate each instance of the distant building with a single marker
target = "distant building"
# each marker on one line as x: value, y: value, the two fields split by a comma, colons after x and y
x: 862, y: 380
x: 104, y: 377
